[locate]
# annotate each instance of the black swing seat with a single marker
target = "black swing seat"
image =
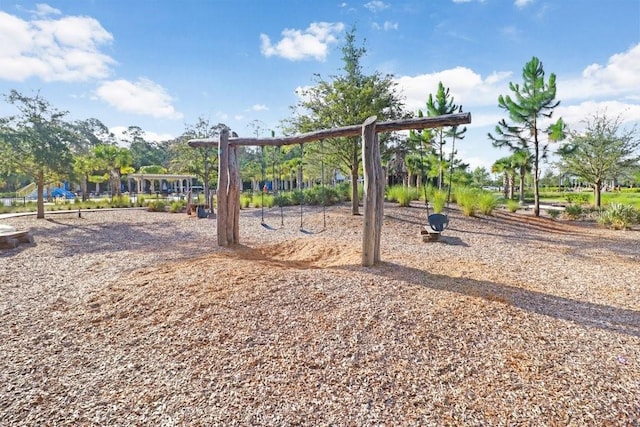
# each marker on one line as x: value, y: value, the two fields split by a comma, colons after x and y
x: 438, y: 222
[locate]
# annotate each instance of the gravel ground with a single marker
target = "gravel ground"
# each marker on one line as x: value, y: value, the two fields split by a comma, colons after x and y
x: 130, y: 317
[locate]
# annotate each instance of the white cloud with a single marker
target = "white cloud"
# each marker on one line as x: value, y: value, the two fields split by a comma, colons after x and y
x: 574, y: 115
x: 143, y: 97
x: 522, y: 3
x: 620, y: 77
x: 65, y: 49
x: 297, y: 45
x: 467, y: 87
x: 46, y: 10
x: 388, y: 25
x: 119, y: 133
x: 376, y: 6
x: 259, y: 107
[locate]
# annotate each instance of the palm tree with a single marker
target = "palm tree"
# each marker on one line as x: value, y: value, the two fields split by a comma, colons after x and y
x: 117, y: 161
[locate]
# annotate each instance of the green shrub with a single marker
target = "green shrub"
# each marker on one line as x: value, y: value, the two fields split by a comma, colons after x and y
x: 513, y: 205
x: 438, y: 200
x: 553, y: 213
x: 577, y: 198
x: 618, y: 216
x: 487, y: 202
x: 467, y: 199
x: 266, y: 200
x: 344, y: 191
x: 121, y: 201
x: 245, y: 200
x: 318, y: 196
x: 156, y: 206
x: 177, y: 206
x: 573, y: 212
x: 283, y: 199
x: 330, y: 197
x: 393, y: 193
x: 403, y: 195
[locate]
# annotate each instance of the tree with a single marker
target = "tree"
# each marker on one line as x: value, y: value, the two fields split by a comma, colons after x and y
x: 83, y: 166
x: 603, y: 151
x: 348, y: 99
x: 117, y: 160
x: 145, y: 153
x: 197, y: 161
x: 516, y: 164
x: 36, y: 142
x: 532, y: 102
x: 441, y: 105
x: 481, y: 177
x: 91, y: 132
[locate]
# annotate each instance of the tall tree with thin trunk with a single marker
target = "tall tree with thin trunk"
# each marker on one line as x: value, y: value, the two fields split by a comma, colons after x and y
x: 440, y: 105
x: 348, y: 99
x: 602, y: 151
x: 532, y: 102
x: 39, y: 142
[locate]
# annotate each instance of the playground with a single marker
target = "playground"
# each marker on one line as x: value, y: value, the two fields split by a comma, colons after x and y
x: 133, y: 317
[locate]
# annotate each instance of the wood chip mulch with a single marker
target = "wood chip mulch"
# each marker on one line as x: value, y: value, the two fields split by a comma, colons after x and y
x: 138, y: 318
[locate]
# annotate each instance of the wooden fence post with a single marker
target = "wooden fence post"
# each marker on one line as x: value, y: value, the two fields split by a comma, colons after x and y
x: 223, y: 187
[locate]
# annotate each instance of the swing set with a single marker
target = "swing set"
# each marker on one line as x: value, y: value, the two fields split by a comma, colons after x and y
x: 229, y: 182
x: 301, y: 200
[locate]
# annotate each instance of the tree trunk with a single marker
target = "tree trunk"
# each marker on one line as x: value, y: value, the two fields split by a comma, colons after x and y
x: 505, y: 185
x: 523, y: 171
x: 84, y: 187
x: 536, y: 181
x: 114, y: 181
x: 597, y: 186
x: 355, y: 201
x: 40, y: 179
x: 512, y: 185
x: 440, y: 170
x: 205, y: 180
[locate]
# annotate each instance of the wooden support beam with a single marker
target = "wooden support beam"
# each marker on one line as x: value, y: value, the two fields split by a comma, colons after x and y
x: 353, y: 130
x: 222, y: 219
x: 233, y: 198
x: 369, y: 141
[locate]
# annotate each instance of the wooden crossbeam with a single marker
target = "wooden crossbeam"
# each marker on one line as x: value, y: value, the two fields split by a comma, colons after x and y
x: 353, y: 130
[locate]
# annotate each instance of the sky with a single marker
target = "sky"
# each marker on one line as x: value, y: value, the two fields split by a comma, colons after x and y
x: 162, y: 65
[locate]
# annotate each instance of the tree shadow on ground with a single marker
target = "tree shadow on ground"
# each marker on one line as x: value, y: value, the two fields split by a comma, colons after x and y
x: 79, y: 235
x: 587, y: 314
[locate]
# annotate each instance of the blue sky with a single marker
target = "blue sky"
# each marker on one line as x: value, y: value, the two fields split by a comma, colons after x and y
x: 161, y: 65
